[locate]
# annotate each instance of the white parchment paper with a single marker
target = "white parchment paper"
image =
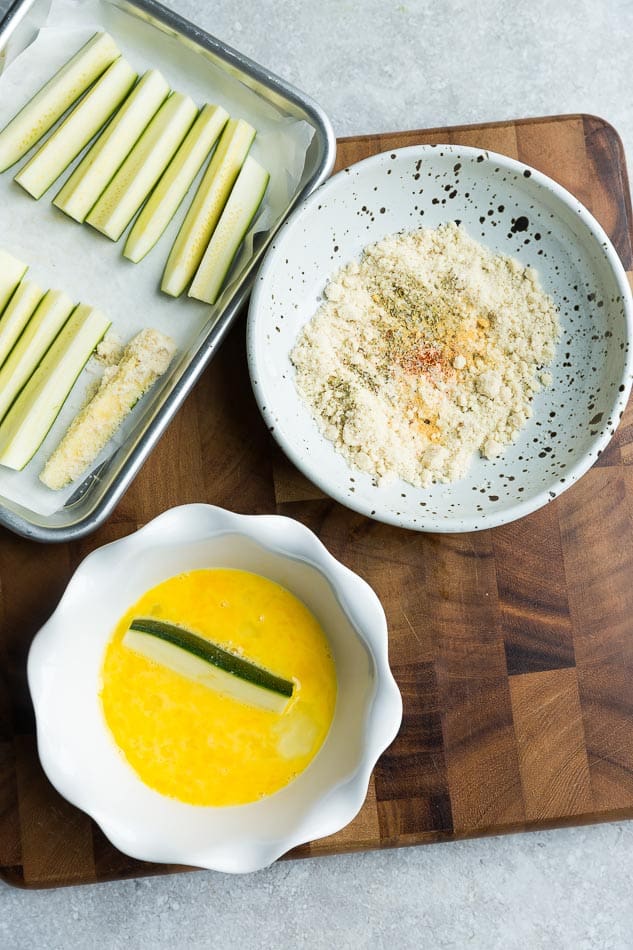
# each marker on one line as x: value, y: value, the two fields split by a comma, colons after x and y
x: 88, y: 266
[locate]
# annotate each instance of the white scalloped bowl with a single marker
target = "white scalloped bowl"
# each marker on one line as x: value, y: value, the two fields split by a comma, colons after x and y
x: 80, y: 756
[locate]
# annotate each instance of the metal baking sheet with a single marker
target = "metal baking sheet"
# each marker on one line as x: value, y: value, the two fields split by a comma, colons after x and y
x: 92, y: 501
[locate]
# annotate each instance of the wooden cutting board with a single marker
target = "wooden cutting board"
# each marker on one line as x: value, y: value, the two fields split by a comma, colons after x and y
x: 513, y: 647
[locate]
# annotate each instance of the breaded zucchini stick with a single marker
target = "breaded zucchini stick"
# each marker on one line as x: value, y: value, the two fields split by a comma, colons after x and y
x: 144, y: 360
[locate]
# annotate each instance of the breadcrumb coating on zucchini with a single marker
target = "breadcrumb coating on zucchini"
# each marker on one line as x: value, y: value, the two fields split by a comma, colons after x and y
x: 146, y: 357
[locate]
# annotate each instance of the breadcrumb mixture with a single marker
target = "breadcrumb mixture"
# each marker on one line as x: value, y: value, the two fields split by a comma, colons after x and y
x: 110, y: 350
x: 427, y: 351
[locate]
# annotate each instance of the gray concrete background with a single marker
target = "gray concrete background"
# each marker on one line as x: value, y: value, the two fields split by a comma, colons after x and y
x: 375, y: 66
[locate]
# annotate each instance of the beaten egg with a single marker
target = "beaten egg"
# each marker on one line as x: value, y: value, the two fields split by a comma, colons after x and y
x: 188, y: 741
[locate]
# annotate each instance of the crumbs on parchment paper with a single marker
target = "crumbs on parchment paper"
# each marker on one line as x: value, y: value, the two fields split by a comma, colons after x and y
x: 427, y: 351
x: 110, y: 350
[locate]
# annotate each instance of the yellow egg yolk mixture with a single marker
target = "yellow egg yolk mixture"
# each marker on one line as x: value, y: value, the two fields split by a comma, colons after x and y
x: 190, y: 742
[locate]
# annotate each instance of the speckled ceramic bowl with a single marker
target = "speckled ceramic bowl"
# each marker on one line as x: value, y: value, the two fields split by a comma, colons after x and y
x: 511, y: 209
x: 79, y: 754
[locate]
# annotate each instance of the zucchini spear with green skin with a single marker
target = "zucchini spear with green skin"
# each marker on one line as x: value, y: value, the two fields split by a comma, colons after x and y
x: 11, y: 273
x: 244, y: 201
x: 175, y: 183
x: 42, y: 328
x: 207, y: 205
x: 206, y: 663
x: 38, y: 405
x: 143, y: 167
x: 58, y: 94
x: 77, y: 129
x: 17, y: 314
x: 103, y: 160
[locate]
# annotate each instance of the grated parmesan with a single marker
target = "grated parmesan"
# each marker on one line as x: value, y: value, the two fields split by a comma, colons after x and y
x: 428, y: 350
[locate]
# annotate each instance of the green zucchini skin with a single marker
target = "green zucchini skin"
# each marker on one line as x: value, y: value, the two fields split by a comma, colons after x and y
x: 175, y: 183
x: 15, y: 317
x: 213, y: 654
x: 235, y: 220
x: 42, y: 329
x: 12, y: 272
x: 143, y: 167
x: 207, y: 205
x: 42, y: 111
x: 33, y: 413
x: 104, y: 158
x: 84, y: 122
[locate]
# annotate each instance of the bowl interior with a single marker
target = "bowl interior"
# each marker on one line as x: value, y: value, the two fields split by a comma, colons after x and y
x: 510, y: 209
x: 71, y: 727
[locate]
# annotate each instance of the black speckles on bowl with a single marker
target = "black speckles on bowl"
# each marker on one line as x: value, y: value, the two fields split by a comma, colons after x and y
x: 513, y: 210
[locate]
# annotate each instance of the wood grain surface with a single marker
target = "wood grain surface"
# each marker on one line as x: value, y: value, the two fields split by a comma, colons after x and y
x: 513, y: 647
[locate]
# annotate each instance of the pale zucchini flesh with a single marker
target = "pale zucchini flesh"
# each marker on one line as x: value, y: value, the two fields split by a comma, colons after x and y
x: 175, y: 183
x: 77, y: 129
x: 38, y: 405
x: 244, y: 201
x: 143, y: 167
x: 208, y: 664
x: 206, y: 207
x: 41, y: 330
x: 103, y: 160
x: 11, y: 273
x: 55, y: 97
x: 17, y: 314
